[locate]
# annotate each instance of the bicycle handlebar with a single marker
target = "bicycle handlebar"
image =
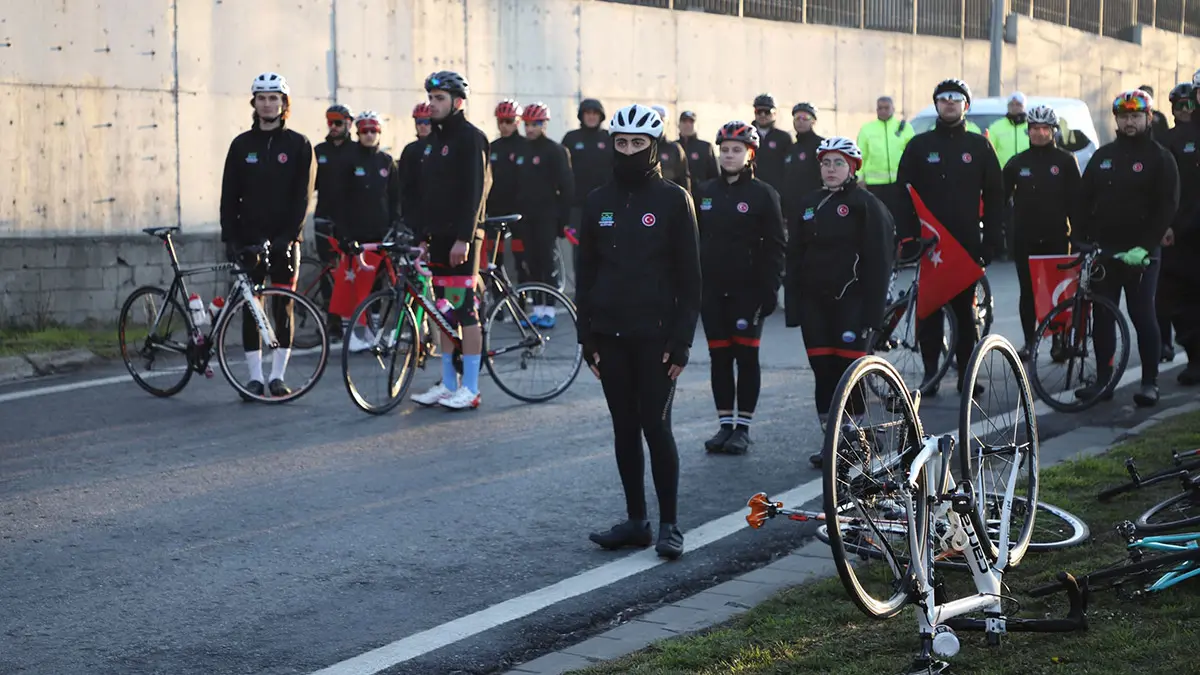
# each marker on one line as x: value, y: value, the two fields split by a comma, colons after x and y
x: 926, y: 243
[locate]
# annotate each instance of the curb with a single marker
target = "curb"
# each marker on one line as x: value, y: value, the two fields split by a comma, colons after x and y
x: 28, y: 366
x: 810, y: 562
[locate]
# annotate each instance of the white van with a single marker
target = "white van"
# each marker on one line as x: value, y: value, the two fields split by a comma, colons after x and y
x: 1073, y: 115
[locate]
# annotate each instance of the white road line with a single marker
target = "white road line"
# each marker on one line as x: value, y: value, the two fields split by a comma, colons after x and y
x: 419, y: 644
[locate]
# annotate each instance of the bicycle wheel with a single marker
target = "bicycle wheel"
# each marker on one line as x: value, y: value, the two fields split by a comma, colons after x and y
x: 270, y: 362
x: 985, y: 306
x: 997, y: 432
x: 316, y: 284
x: 378, y: 377
x: 154, y: 334
x: 1151, y: 563
x: 559, y: 273
x: 866, y: 438
x: 1063, y: 362
x: 897, y: 343
x: 1175, y: 472
x: 1173, y: 513
x: 529, y: 363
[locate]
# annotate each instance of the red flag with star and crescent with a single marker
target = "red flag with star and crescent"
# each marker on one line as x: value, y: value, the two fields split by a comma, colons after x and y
x: 352, y: 282
x: 946, y: 269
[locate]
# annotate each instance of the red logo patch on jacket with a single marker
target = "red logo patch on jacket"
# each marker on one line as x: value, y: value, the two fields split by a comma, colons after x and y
x: 1137, y: 167
x: 648, y: 220
x: 966, y: 158
x: 843, y: 210
x: 743, y: 207
x: 282, y: 158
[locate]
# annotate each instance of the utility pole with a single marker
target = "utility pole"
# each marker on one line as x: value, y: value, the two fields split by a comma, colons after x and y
x: 997, y: 38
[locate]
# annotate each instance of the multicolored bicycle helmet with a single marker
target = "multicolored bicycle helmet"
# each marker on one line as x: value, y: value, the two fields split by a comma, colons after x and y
x: 1134, y: 100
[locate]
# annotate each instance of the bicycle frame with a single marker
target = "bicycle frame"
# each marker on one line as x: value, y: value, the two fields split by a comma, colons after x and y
x: 1170, y: 543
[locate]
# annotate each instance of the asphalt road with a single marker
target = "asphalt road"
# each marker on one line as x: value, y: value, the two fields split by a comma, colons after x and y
x: 199, y: 534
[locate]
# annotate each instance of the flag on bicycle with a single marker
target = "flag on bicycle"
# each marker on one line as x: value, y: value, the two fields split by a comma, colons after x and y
x: 946, y: 269
x: 352, y: 282
x: 1052, y: 285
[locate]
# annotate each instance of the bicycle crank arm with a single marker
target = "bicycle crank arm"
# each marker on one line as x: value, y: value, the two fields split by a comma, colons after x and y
x: 1076, y: 618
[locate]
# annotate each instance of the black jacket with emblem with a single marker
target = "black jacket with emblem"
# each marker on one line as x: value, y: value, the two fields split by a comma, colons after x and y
x: 742, y: 239
x: 1183, y: 142
x: 801, y: 172
x: 951, y: 170
x: 639, y: 264
x: 448, y: 197
x: 770, y: 159
x: 1043, y: 184
x: 1129, y: 195
x: 507, y: 157
x: 409, y: 166
x: 702, y: 160
x: 372, y: 202
x: 841, y: 246
x: 547, y: 187
x: 674, y: 163
x: 591, y: 159
x: 267, y: 184
x: 330, y: 159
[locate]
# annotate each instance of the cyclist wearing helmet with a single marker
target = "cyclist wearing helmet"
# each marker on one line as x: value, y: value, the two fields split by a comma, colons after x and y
x: 546, y: 195
x: 372, y: 180
x: 1043, y: 184
x: 1182, y: 103
x: 1179, y: 255
x: 775, y: 143
x: 702, y: 163
x: 1128, y: 198
x: 267, y: 185
x: 741, y: 262
x: 951, y: 168
x: 839, y: 262
x: 329, y: 195
x: 638, y: 297
x: 801, y: 172
x: 672, y: 158
x: 1158, y: 121
x: 507, y: 157
x: 410, y: 160
x: 591, y: 153
x: 452, y: 185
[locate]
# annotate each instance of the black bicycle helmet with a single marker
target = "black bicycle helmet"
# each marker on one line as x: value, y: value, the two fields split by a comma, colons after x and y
x: 952, y: 85
x: 764, y: 101
x: 593, y: 105
x: 1182, y: 93
x: 805, y: 107
x: 448, y: 81
x: 337, y: 109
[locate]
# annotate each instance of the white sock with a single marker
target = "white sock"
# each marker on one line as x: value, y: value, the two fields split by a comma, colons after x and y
x: 279, y: 363
x: 549, y: 311
x: 254, y: 363
x: 538, y: 310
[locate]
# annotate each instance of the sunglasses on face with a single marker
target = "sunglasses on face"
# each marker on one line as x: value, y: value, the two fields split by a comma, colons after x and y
x: 535, y: 123
x: 952, y: 96
x: 370, y: 130
x: 424, y: 123
x: 336, y: 123
x: 762, y: 111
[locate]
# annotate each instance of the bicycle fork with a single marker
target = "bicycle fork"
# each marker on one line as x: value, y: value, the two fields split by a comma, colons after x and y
x: 260, y: 318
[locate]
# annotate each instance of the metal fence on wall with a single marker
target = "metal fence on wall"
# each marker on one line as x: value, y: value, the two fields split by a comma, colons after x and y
x: 966, y: 19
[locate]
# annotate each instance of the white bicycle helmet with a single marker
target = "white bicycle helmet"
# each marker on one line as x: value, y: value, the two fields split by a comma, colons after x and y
x: 1196, y: 79
x: 1042, y: 114
x: 843, y: 146
x: 637, y: 119
x: 368, y: 116
x: 270, y: 82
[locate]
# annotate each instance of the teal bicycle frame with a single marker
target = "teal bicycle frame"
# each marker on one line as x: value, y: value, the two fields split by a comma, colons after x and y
x: 1171, y: 543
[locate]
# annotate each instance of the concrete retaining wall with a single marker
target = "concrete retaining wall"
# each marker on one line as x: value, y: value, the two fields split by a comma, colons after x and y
x: 118, y: 113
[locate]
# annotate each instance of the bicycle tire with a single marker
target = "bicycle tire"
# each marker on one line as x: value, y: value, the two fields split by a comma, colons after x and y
x: 222, y: 330
x: 985, y: 306
x: 406, y: 319
x: 893, y: 315
x: 122, y: 326
x: 1144, y: 525
x: 1028, y: 460
x: 836, y: 464
x: 313, y: 289
x: 511, y: 298
x: 1120, y: 362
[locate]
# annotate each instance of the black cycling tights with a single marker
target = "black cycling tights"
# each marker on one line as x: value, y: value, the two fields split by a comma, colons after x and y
x: 281, y: 269
x: 745, y: 386
x: 1140, y: 288
x: 639, y: 396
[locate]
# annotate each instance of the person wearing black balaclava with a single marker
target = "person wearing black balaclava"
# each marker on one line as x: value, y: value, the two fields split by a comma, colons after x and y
x: 637, y: 302
x: 591, y: 153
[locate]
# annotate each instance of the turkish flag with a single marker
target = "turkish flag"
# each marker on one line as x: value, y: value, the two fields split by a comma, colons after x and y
x: 946, y: 269
x: 352, y: 282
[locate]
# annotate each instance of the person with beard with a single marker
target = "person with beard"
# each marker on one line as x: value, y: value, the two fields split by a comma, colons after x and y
x: 801, y: 173
x: 672, y: 158
x: 1128, y: 201
x: 1181, y: 140
x: 591, y: 154
x: 638, y: 299
x: 1010, y: 135
x: 1043, y: 184
x: 508, y: 157
x: 775, y: 143
x: 882, y: 142
x: 952, y: 168
x: 741, y: 263
x: 329, y: 195
x: 267, y: 184
x: 839, y: 262
x: 545, y: 201
x: 410, y: 159
x: 702, y: 163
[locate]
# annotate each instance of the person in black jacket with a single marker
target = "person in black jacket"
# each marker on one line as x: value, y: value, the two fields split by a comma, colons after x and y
x: 951, y: 170
x: 801, y: 172
x: 1158, y: 121
x: 1128, y: 200
x: 329, y: 194
x: 265, y: 190
x: 702, y: 163
x: 741, y: 263
x: 1043, y: 183
x: 508, y: 157
x: 449, y: 204
x: 410, y: 160
x: 839, y: 262
x: 672, y: 158
x: 591, y: 153
x: 1177, y: 299
x: 638, y: 298
x: 546, y: 195
x: 768, y: 161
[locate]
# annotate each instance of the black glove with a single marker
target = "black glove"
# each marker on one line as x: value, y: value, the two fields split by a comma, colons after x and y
x: 589, y: 350
x: 677, y: 355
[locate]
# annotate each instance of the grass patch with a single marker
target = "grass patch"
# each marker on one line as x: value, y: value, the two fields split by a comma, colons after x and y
x: 815, y: 628
x: 100, y: 339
